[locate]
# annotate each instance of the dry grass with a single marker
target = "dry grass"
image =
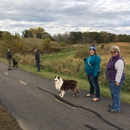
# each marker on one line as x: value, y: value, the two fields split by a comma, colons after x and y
x: 105, y: 54
x: 7, y: 122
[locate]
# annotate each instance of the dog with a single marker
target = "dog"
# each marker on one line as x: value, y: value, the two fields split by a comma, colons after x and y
x: 41, y: 66
x: 15, y: 63
x: 63, y: 85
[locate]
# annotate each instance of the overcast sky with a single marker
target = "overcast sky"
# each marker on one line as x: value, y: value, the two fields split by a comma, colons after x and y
x: 60, y: 16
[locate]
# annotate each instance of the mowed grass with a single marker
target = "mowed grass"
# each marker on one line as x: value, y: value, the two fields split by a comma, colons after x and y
x: 56, y: 56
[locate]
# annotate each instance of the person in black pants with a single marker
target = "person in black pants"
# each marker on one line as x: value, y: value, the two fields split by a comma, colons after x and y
x: 37, y: 60
x: 9, y: 57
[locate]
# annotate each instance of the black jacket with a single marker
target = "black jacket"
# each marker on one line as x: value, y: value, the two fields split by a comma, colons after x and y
x: 9, y: 56
x: 37, y: 56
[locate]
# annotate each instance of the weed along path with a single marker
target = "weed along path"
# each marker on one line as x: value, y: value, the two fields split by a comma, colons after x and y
x: 33, y: 101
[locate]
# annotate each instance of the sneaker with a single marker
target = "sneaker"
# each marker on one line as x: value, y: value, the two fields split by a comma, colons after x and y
x: 110, y: 105
x: 113, y: 111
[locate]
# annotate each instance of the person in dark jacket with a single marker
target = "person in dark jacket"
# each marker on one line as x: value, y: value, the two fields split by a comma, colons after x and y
x: 9, y: 57
x: 37, y: 60
x: 115, y: 76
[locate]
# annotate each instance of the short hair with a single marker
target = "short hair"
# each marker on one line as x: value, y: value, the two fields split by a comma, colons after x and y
x: 116, y: 48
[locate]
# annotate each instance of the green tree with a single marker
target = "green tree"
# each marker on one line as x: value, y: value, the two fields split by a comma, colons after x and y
x: 1, y: 32
x: 105, y: 38
x: 26, y: 34
x: 10, y: 41
x: 40, y: 32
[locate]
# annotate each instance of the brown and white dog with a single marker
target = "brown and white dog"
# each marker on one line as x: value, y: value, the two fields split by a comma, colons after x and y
x: 63, y: 85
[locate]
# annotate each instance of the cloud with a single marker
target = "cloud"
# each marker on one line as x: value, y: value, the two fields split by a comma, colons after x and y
x: 57, y: 16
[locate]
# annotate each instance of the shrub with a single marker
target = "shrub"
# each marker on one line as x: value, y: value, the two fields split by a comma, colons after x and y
x: 70, y: 66
x: 62, y: 43
x: 102, y: 46
x: 10, y: 41
x: 25, y: 59
x: 126, y: 84
x: 104, y: 82
x: 46, y: 45
x: 82, y: 53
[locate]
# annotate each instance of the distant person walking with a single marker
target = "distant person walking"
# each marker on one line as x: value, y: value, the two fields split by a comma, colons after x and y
x: 37, y: 60
x: 9, y: 58
x: 92, y: 67
x: 115, y: 76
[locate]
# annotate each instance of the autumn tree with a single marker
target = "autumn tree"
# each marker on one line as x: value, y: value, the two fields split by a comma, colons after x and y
x: 46, y: 45
x: 10, y: 41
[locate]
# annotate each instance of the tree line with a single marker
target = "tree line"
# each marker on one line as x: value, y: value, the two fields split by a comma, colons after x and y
x: 75, y: 37
x: 90, y: 37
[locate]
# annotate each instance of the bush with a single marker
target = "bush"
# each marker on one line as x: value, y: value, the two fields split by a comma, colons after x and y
x: 126, y: 84
x: 62, y: 43
x: 82, y: 53
x: 10, y: 41
x: 104, y: 82
x: 102, y: 77
x: 70, y: 66
x: 46, y: 45
x: 102, y: 46
x: 25, y: 59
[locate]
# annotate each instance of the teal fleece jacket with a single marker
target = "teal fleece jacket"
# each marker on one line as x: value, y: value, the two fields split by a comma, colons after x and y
x: 92, y: 64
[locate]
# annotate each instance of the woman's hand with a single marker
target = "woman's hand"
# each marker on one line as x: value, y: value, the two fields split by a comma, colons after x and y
x: 117, y: 83
x: 84, y: 59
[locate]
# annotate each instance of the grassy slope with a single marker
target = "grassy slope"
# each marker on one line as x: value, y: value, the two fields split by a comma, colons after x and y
x: 57, y: 55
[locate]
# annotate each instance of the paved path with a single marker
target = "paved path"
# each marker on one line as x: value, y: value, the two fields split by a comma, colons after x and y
x: 33, y: 101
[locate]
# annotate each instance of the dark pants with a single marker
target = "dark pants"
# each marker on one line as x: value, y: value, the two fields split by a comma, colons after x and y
x: 38, y: 66
x: 9, y: 63
x: 93, y: 81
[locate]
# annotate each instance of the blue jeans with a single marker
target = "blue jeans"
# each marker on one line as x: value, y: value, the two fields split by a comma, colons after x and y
x: 93, y: 81
x: 38, y: 66
x: 115, y: 93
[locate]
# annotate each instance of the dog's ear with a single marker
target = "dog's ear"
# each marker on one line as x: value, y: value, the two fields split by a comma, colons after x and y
x: 55, y: 77
x: 58, y: 77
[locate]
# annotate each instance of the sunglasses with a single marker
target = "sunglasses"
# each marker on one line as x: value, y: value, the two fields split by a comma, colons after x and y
x: 113, y: 51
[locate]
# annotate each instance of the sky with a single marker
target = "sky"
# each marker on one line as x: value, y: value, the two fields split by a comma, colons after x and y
x: 64, y: 16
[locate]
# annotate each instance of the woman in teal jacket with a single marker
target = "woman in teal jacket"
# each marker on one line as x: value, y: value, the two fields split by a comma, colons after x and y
x: 92, y: 67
